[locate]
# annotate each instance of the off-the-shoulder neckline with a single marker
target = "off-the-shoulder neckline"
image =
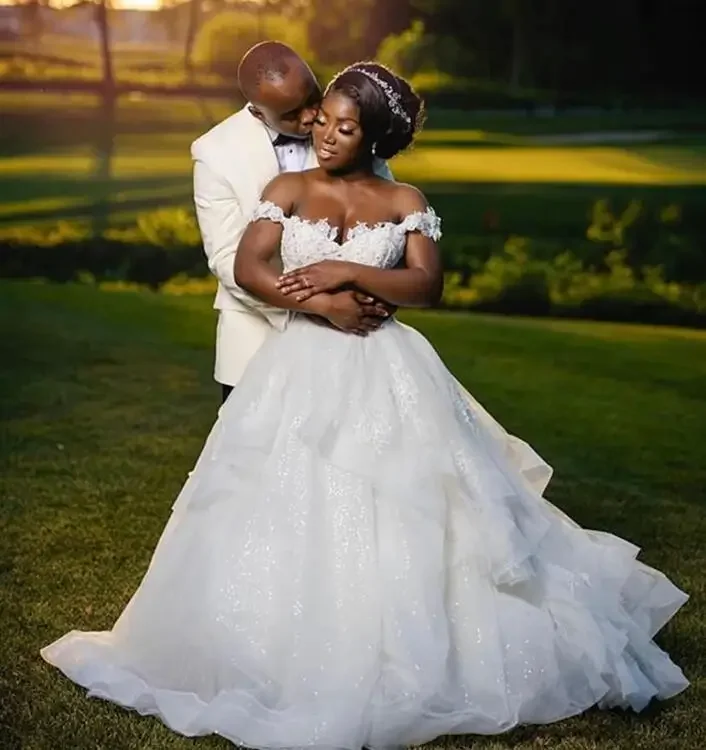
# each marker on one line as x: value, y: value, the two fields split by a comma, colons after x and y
x: 411, y: 222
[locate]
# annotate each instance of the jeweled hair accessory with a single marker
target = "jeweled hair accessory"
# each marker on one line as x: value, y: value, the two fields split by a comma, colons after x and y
x: 394, y: 100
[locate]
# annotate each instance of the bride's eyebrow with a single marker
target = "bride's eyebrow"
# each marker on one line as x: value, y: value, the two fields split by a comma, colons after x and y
x: 338, y: 119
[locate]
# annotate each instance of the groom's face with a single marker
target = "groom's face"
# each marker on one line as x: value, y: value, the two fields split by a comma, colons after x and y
x: 289, y: 105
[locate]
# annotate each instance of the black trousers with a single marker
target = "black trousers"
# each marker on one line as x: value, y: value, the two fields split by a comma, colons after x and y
x: 225, y: 392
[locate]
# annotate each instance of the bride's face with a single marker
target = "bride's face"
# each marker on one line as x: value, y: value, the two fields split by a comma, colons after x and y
x: 338, y: 136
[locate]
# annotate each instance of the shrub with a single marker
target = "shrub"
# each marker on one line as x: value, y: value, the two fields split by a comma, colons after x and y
x: 162, y: 245
x: 162, y: 250
x: 640, y: 304
x: 513, y: 281
x: 648, y: 236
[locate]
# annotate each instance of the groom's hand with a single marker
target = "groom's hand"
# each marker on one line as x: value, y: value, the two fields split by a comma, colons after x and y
x: 355, y: 313
x: 385, y: 307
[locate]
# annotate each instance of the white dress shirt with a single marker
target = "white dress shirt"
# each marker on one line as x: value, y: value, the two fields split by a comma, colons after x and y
x: 293, y: 156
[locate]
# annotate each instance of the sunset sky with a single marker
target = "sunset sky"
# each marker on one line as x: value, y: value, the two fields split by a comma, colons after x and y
x: 137, y: 4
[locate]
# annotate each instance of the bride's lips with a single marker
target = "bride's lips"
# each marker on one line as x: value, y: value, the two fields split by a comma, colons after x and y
x: 325, y: 153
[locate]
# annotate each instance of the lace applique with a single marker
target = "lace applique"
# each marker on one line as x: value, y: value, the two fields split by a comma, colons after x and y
x: 319, y: 225
x: 269, y: 210
x: 425, y: 222
x: 362, y: 227
x: 307, y: 241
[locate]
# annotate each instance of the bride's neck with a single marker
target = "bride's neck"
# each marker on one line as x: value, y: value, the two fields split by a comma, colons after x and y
x: 361, y: 170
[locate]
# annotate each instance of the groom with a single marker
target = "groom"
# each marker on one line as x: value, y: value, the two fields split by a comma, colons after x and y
x: 233, y: 162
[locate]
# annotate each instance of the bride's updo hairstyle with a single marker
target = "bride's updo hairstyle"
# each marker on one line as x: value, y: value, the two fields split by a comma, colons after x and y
x: 391, y: 112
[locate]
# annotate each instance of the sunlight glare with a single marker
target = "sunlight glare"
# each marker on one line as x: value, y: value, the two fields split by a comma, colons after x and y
x: 137, y: 4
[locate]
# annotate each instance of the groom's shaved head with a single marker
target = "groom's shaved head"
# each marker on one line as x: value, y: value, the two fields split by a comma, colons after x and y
x: 269, y: 65
x: 267, y: 61
x: 280, y: 86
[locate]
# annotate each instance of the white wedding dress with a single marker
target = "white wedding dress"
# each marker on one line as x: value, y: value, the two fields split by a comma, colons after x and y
x: 362, y: 557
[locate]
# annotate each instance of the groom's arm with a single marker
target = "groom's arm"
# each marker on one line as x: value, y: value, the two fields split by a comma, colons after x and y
x: 222, y: 223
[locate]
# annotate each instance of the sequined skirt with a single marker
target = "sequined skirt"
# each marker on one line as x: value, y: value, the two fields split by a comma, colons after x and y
x: 358, y: 559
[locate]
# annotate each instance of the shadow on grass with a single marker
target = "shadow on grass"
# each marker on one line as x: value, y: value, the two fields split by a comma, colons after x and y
x: 86, y: 197
x: 17, y: 188
x: 32, y: 132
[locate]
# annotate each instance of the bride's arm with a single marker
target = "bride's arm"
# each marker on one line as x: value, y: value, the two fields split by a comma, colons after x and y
x: 257, y: 258
x: 256, y: 268
x: 418, y: 284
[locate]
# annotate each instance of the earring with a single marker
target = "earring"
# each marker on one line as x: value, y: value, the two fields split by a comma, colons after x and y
x: 373, y: 148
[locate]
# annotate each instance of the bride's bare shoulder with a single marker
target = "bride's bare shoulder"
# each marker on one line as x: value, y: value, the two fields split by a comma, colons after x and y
x: 408, y: 199
x: 285, y: 189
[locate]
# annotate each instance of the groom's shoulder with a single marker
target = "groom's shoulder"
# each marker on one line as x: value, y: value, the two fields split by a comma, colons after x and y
x: 226, y: 131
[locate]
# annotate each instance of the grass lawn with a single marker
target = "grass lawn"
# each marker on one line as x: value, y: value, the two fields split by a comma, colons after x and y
x: 106, y: 399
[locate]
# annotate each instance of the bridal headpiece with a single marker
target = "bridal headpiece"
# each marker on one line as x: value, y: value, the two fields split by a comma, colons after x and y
x: 394, y: 100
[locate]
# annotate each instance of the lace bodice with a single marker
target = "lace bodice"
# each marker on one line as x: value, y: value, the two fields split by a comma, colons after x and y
x: 382, y: 245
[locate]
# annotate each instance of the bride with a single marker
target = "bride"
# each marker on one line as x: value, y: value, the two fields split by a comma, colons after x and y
x: 357, y: 558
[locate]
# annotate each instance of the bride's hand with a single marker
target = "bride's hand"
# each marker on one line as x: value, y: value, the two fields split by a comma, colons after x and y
x: 325, y: 276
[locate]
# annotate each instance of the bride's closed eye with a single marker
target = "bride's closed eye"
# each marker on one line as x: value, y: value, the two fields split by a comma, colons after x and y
x: 342, y: 130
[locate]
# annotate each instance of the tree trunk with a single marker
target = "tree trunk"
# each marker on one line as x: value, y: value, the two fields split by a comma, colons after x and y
x: 106, y: 122
x: 106, y: 53
x: 191, y: 29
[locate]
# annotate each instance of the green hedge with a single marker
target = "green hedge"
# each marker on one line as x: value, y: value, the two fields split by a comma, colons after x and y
x: 513, y: 281
x: 161, y: 245
x: 517, y: 276
x: 503, y: 285
x: 103, y: 260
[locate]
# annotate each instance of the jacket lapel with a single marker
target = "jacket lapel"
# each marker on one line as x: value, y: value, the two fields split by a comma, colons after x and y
x: 262, y: 160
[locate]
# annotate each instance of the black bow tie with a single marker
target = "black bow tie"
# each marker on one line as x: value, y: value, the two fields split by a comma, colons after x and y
x: 287, y: 140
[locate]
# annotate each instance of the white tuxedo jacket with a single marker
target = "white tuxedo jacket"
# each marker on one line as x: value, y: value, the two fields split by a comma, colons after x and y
x: 233, y: 162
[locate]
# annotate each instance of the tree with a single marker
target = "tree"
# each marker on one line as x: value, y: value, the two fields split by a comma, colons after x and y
x: 32, y: 20
x: 404, y: 53
x: 336, y: 30
x: 172, y: 19
x: 414, y: 51
x: 108, y: 82
x: 603, y: 51
x: 106, y: 125
x: 191, y: 31
x: 384, y: 19
x: 224, y: 38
